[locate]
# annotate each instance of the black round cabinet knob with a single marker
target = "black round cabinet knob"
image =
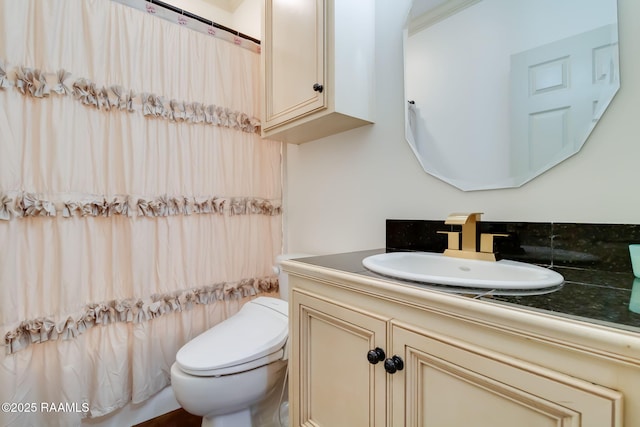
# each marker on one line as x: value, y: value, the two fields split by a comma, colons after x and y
x: 376, y: 355
x: 318, y: 87
x: 393, y: 364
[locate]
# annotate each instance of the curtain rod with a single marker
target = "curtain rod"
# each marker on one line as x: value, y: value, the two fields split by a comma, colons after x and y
x: 201, y: 19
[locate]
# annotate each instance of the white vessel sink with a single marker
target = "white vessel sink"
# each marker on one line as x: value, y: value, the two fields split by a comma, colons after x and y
x: 436, y: 268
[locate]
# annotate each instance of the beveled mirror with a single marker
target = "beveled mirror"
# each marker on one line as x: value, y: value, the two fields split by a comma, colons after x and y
x: 499, y: 91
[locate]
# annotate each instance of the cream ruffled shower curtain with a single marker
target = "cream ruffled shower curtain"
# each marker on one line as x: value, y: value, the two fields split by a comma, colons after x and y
x: 138, y: 204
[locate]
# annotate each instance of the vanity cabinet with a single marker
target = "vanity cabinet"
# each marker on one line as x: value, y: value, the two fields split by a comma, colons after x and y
x: 317, y: 68
x: 451, y: 369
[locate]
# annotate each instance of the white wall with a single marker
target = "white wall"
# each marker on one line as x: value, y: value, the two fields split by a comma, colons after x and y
x: 340, y: 189
x: 247, y: 18
x: 205, y: 10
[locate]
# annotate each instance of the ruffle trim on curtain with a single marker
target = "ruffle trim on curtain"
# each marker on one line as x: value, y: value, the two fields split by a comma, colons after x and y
x: 131, y: 310
x: 35, y: 83
x: 32, y: 205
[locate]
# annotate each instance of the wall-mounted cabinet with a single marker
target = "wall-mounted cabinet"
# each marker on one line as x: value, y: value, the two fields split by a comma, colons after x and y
x: 317, y: 68
x: 371, y: 356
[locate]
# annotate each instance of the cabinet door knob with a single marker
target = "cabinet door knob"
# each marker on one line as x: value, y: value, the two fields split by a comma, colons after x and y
x: 376, y: 355
x: 318, y: 87
x: 393, y: 364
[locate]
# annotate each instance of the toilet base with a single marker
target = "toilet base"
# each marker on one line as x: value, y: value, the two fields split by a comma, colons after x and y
x: 236, y: 419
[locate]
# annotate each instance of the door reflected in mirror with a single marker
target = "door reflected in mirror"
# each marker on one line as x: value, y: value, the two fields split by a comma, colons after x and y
x: 499, y: 91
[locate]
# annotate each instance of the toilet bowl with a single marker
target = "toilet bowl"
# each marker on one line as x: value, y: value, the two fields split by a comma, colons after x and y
x: 223, y: 372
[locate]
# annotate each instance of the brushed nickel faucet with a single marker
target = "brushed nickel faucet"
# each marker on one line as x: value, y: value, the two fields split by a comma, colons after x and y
x: 469, y: 249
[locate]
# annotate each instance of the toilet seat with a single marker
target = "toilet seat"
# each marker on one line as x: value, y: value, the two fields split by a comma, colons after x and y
x: 253, y: 337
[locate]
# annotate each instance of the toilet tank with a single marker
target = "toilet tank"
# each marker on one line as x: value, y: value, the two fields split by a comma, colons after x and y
x: 282, y: 276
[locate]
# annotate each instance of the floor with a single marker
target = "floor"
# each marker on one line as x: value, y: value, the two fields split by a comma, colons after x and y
x: 177, y: 418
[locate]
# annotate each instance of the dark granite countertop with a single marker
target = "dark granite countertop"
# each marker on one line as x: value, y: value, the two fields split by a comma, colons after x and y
x: 587, y: 295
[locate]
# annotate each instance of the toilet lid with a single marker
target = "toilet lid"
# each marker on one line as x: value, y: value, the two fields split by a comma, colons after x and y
x: 259, y: 329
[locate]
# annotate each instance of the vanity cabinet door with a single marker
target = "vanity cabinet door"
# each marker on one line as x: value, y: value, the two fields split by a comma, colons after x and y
x: 447, y: 382
x: 332, y: 383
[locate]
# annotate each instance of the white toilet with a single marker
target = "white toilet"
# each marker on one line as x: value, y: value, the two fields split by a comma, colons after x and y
x: 223, y: 372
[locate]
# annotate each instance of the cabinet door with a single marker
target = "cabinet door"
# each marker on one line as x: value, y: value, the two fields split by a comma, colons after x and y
x: 447, y: 382
x: 294, y: 59
x: 332, y: 383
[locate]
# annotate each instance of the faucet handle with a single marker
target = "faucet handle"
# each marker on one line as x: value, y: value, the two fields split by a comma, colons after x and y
x: 486, y: 241
x: 453, y: 240
x: 463, y: 218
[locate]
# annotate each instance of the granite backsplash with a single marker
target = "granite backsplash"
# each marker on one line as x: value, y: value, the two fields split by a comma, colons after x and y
x: 602, y: 247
